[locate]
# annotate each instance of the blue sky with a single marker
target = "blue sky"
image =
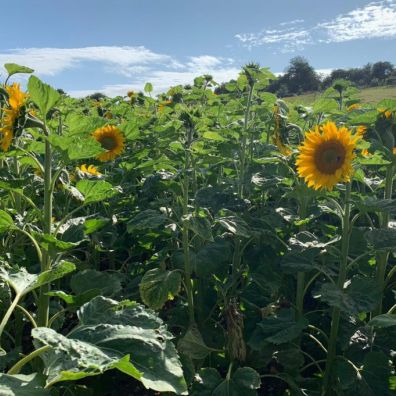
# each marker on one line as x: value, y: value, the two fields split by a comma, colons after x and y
x: 112, y: 46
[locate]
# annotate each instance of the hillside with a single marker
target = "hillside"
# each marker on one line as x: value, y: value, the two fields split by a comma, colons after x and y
x: 366, y: 95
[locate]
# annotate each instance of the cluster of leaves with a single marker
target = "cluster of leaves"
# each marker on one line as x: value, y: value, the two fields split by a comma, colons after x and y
x: 175, y: 270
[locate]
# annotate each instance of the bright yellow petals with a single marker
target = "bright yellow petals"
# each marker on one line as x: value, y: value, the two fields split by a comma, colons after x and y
x: 325, y: 157
x: 112, y: 140
x: 361, y: 130
x: 89, y: 170
x: 16, y: 98
x: 354, y: 106
x: 365, y: 153
x: 394, y: 150
x: 385, y: 113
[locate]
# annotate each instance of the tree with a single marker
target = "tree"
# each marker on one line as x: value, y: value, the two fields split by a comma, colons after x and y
x: 382, y: 70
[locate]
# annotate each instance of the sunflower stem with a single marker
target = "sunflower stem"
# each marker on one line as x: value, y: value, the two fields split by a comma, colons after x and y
x: 336, y: 312
x: 382, y: 257
x: 43, y: 305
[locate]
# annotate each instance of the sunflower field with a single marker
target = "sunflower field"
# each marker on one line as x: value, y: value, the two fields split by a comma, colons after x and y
x: 209, y: 241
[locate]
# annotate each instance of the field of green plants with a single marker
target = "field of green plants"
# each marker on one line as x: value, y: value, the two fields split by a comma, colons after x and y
x: 211, y: 240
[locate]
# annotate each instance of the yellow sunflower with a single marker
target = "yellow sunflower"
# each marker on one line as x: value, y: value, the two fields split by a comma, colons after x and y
x: 386, y: 113
x: 394, y: 150
x: 365, y: 153
x: 361, y: 130
x: 326, y: 155
x: 89, y: 170
x: 112, y: 140
x: 16, y: 98
x: 354, y: 106
x: 283, y: 149
x: 7, y: 130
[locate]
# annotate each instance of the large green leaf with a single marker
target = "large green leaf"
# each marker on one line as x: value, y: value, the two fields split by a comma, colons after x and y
x: 44, y: 96
x: 278, y: 329
x: 6, y: 222
x: 208, y: 382
x: 200, y: 226
x: 22, y: 385
x: 107, y: 283
x: 362, y: 295
x: 23, y: 282
x: 158, y: 286
x: 383, y: 321
x: 77, y: 147
x: 71, y: 359
x: 382, y: 239
x: 13, y: 68
x: 145, y: 220
x: 235, y: 225
x: 193, y: 345
x: 95, y: 190
x: 110, y: 331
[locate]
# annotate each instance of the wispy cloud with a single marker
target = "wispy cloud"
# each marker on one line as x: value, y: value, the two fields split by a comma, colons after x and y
x: 137, y: 64
x: 51, y: 61
x: 375, y: 20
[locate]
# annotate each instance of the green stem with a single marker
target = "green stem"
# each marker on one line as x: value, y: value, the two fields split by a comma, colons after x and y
x: 16, y: 368
x: 27, y: 314
x: 7, y: 315
x: 382, y: 257
x: 301, y: 275
x: 336, y: 313
x: 185, y: 236
x: 43, y: 307
x: 244, y: 143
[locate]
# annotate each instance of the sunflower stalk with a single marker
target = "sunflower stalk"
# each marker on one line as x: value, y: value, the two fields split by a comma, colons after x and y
x: 382, y: 257
x: 336, y: 312
x: 185, y: 233
x: 43, y: 305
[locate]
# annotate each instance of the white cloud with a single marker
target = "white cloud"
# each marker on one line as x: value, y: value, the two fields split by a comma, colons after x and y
x: 375, y: 20
x: 51, y: 61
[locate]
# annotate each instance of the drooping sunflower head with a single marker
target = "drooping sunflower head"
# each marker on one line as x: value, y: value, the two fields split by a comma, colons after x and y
x: 16, y: 98
x: 361, y: 130
x: 112, y: 140
x: 7, y: 129
x: 325, y: 157
x: 354, y: 106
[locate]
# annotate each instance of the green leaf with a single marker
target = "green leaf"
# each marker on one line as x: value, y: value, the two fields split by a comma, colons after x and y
x: 279, y: 329
x: 244, y: 381
x: 235, y: 225
x: 118, y: 329
x: 76, y: 147
x: 22, y: 385
x: 377, y: 205
x: 13, y: 68
x: 383, y: 321
x: 299, y: 261
x: 72, y: 359
x: 382, y: 239
x: 6, y: 222
x: 376, y: 373
x: 93, y: 225
x: 211, y: 135
x: 362, y: 295
x: 200, y: 226
x: 44, y: 96
x: 95, y: 190
x: 205, y: 382
x: 52, y: 244
x: 75, y: 301
x: 108, y: 284
x: 148, y: 87
x: 147, y: 219
x: 23, y: 282
x: 193, y: 345
x: 158, y: 286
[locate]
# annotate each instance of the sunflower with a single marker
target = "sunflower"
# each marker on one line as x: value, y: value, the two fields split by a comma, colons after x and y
x: 386, y: 113
x: 89, y: 170
x: 361, y: 130
x: 16, y: 98
x: 111, y: 139
x: 326, y: 155
x: 7, y: 131
x: 394, y: 150
x: 283, y: 149
x: 365, y: 153
x: 354, y: 106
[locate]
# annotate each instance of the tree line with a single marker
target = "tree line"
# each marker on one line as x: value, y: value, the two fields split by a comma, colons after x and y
x: 300, y: 77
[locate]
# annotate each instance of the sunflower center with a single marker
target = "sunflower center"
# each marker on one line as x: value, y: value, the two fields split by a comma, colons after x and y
x: 329, y: 157
x: 108, y: 143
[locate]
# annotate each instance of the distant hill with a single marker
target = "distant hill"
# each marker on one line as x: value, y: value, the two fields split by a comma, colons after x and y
x: 366, y: 95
